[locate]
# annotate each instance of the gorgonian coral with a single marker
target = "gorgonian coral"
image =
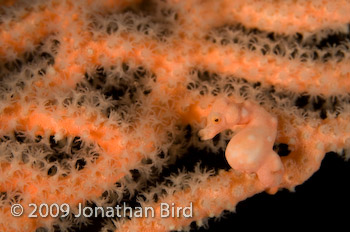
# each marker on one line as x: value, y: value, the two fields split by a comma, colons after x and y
x: 100, y: 102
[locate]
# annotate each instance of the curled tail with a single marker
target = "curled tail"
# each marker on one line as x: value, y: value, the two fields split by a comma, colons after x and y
x: 271, y: 172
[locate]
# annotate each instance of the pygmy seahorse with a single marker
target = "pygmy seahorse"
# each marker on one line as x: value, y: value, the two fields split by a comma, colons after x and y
x: 251, y: 149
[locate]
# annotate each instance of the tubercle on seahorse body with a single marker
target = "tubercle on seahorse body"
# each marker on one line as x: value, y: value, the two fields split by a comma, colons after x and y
x: 250, y: 150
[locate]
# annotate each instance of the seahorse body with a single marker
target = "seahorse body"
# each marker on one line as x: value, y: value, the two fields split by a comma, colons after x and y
x: 250, y: 150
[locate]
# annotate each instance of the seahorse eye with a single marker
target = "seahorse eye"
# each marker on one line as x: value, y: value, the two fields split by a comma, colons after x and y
x: 216, y: 120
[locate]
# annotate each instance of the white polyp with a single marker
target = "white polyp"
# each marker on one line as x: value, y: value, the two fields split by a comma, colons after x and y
x: 306, y: 135
x: 59, y: 136
x: 199, y: 223
x: 244, y: 112
x: 320, y: 146
x: 238, y: 191
x: 51, y: 70
x: 292, y: 141
x: 90, y: 51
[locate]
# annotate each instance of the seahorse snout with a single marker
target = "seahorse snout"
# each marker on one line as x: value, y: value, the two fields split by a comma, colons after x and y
x: 207, y: 133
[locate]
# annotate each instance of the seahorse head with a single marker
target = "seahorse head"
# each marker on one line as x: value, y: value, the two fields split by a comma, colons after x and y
x: 222, y: 116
